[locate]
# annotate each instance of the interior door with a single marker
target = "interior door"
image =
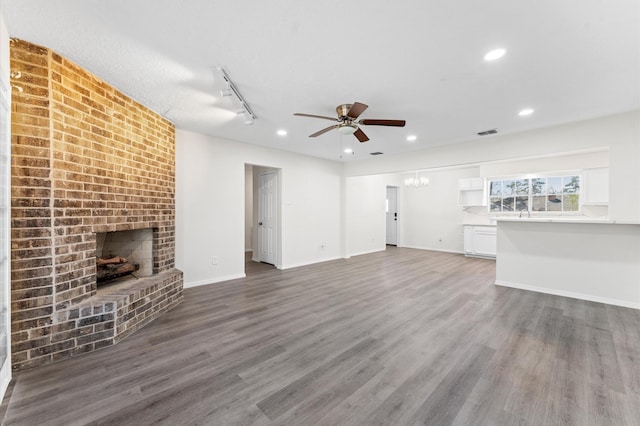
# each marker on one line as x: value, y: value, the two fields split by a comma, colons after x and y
x: 392, y: 215
x: 268, y: 217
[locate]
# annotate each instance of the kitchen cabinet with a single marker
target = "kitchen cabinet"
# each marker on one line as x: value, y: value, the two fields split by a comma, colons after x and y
x: 480, y: 241
x: 471, y: 192
x: 596, y: 186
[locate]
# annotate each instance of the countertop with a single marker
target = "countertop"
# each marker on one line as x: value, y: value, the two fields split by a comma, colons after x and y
x: 578, y: 219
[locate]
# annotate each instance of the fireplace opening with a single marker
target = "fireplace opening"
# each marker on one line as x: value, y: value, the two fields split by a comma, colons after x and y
x: 123, y: 255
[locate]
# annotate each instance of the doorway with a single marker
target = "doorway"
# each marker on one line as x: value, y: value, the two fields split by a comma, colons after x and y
x: 392, y: 215
x: 262, y: 219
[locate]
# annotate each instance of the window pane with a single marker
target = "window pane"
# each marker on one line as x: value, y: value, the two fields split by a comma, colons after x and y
x: 522, y: 186
x: 495, y: 188
x: 508, y: 188
x: 495, y: 204
x: 554, y: 203
x: 507, y: 204
x: 522, y: 203
x: 571, y: 184
x: 571, y: 202
x: 539, y: 203
x: 539, y: 186
x: 554, y: 185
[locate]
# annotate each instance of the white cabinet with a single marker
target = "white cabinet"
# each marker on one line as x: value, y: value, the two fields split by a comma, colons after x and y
x: 596, y: 186
x: 480, y: 241
x: 471, y: 192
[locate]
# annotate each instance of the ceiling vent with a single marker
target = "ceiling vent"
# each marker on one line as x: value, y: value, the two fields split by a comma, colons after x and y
x: 488, y: 132
x: 376, y: 153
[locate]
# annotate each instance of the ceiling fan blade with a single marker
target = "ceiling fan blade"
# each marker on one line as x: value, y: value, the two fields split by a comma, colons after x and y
x: 316, y: 116
x: 356, y: 109
x: 323, y: 131
x: 360, y: 135
x: 373, y: 122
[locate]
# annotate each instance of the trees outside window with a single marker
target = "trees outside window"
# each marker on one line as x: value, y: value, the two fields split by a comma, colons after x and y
x: 539, y: 194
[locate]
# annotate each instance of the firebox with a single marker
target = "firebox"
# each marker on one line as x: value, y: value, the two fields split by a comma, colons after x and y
x: 124, y: 253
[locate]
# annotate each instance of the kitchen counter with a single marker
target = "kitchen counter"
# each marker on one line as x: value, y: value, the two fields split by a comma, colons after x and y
x: 567, y: 219
x: 589, y: 259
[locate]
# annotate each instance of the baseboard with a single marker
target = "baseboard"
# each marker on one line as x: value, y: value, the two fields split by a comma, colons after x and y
x: 312, y: 262
x: 214, y: 280
x: 573, y: 295
x: 432, y: 249
x: 360, y: 253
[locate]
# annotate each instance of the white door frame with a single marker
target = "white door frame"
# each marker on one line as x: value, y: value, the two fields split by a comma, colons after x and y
x: 392, y: 216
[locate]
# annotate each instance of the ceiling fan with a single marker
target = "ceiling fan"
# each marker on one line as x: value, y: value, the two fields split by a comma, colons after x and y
x: 348, y: 121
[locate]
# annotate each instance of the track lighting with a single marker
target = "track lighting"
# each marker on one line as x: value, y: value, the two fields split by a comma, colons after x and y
x: 232, y: 90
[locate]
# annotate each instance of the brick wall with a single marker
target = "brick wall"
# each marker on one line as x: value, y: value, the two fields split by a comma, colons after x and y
x: 85, y: 159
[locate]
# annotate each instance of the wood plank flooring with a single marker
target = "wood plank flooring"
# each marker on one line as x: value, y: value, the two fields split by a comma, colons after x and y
x: 252, y: 268
x: 400, y: 337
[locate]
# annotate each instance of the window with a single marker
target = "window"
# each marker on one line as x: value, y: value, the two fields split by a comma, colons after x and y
x: 540, y: 194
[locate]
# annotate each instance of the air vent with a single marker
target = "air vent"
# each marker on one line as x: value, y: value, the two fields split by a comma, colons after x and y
x: 376, y: 153
x: 487, y: 132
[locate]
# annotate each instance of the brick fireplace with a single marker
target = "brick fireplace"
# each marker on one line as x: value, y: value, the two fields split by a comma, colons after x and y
x: 87, y: 161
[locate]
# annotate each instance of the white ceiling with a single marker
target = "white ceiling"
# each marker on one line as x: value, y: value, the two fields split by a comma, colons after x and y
x: 418, y: 60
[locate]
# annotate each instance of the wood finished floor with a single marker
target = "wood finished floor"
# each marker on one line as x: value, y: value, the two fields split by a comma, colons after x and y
x: 400, y: 337
x: 252, y: 268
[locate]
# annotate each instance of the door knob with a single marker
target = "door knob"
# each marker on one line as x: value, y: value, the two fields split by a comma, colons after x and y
x: 259, y: 223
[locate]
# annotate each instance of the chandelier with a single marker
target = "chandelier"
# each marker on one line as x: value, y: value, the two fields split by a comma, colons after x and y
x: 416, y: 181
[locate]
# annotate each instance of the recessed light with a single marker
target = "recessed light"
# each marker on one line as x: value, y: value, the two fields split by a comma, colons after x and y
x: 282, y: 132
x: 411, y: 138
x: 525, y: 112
x: 348, y: 150
x: 494, y: 54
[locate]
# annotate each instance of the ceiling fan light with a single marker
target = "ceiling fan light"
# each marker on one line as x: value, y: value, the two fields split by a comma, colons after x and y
x: 347, y: 129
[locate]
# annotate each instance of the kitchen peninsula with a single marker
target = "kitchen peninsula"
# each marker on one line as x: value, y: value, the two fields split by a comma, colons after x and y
x: 590, y: 259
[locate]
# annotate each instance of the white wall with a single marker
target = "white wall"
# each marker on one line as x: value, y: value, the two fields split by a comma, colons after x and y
x: 5, y: 203
x: 619, y: 134
x: 366, y: 213
x: 210, y: 206
x: 431, y: 218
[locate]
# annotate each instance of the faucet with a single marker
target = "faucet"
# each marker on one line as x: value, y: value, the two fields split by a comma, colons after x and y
x: 525, y: 210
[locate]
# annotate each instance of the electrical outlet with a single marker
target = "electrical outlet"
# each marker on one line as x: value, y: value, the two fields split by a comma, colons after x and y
x: 322, y: 246
x: 214, y: 260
